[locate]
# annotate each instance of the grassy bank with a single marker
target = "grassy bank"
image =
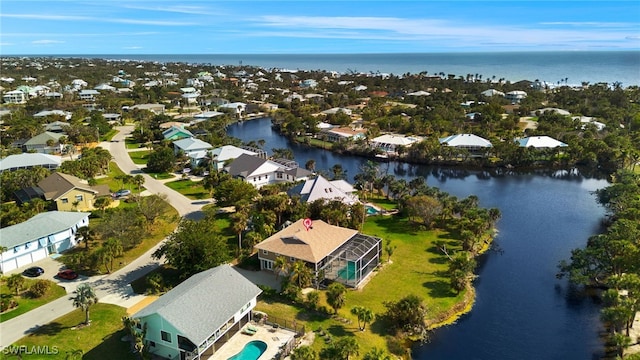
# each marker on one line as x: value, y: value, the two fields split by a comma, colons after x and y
x: 416, y: 267
x: 191, y: 189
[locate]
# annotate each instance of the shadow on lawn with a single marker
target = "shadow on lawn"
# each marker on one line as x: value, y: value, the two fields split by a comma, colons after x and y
x: 395, y: 225
x: 439, y: 289
x: 112, y: 347
x: 49, y: 329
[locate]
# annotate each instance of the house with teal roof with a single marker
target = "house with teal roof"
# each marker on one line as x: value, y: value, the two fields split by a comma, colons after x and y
x: 176, y: 133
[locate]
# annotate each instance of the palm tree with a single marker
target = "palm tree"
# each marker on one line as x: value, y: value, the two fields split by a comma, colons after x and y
x: 335, y: 296
x: 138, y: 180
x: 281, y: 266
x: 113, y: 249
x: 300, y: 274
x: 304, y: 352
x: 376, y: 354
x: 364, y: 315
x: 85, y: 297
x: 347, y: 346
x: 240, y: 221
x: 85, y: 234
x: 15, y: 282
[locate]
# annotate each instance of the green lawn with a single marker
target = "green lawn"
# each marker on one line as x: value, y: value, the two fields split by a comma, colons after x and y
x: 100, y: 340
x: 140, y: 157
x: 110, y: 179
x: 416, y: 268
x: 108, y: 136
x: 25, y: 302
x: 191, y: 189
x: 132, y: 144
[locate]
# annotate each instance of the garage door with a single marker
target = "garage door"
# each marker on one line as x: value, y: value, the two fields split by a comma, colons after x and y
x: 38, y: 255
x: 24, y: 260
x: 9, y: 265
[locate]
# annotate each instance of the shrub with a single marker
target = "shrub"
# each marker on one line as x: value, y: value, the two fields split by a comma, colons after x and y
x: 39, y: 288
x: 313, y: 298
x: 7, y: 304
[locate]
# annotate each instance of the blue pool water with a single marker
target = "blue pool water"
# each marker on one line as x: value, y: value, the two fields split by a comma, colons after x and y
x: 348, y: 272
x: 371, y: 210
x: 251, y: 351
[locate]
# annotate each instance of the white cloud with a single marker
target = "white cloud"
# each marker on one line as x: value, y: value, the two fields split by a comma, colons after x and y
x: 193, y: 10
x: 46, y: 42
x: 132, y: 47
x: 98, y: 19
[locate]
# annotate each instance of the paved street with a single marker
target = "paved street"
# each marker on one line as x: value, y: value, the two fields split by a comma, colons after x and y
x: 112, y: 288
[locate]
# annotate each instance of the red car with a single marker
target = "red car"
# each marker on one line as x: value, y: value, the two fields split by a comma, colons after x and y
x: 67, y: 274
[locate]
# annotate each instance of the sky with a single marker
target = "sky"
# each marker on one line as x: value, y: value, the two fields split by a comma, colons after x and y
x: 69, y: 27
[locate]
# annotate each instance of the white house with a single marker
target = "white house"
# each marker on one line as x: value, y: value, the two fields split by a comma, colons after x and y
x: 466, y: 141
x: 540, y: 142
x: 391, y: 142
x: 88, y: 95
x: 194, y: 148
x: 259, y: 172
x: 43, y: 235
x: 492, y: 92
x: 515, y: 96
x: 14, y: 97
x: 29, y: 160
x: 321, y: 188
x: 44, y: 113
x: 197, y: 317
x: 219, y: 156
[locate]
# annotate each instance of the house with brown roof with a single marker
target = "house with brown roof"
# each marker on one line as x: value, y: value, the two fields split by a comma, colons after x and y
x: 343, y: 134
x: 71, y: 193
x: 333, y: 253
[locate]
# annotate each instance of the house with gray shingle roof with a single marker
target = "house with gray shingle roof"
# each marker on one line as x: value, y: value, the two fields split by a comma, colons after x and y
x: 47, y: 143
x: 196, y: 317
x: 259, y: 172
x: 42, y: 235
x: 194, y: 148
x: 321, y: 188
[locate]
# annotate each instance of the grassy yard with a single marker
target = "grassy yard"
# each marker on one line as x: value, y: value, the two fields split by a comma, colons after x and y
x: 191, y: 189
x: 140, y: 157
x: 25, y: 302
x: 132, y: 144
x: 416, y: 267
x: 100, y: 340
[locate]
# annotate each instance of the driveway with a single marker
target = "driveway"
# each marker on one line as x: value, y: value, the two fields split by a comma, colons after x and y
x: 112, y: 288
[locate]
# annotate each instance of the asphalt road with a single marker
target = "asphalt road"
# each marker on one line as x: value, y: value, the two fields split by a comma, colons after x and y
x: 112, y: 288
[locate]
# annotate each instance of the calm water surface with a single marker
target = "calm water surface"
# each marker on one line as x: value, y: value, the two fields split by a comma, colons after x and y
x: 522, y: 311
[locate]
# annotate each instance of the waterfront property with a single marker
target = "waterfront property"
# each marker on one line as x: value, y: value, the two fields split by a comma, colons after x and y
x: 540, y: 142
x: 343, y: 255
x: 391, y: 142
x: 473, y: 143
x: 176, y: 133
x: 197, y: 317
x: 321, y: 188
x: 259, y: 172
x: 219, y: 156
x: 194, y: 148
x: 42, y: 235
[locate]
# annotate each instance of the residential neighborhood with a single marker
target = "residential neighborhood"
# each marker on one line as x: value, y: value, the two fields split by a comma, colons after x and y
x: 202, y: 244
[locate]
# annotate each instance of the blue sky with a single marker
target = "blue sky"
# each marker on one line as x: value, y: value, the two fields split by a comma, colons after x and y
x: 56, y: 27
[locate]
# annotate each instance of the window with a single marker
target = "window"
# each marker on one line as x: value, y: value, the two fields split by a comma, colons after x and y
x: 152, y: 343
x: 265, y: 252
x: 26, y: 246
x: 64, y: 200
x: 16, y: 249
x: 79, y: 197
x: 279, y: 175
x: 291, y: 258
x: 139, y: 325
x: 165, y: 336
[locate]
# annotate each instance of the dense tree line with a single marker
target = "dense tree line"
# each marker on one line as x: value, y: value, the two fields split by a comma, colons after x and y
x: 611, y: 260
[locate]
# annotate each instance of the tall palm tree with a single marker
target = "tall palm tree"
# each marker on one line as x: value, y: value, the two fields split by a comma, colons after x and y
x: 281, y: 266
x: 138, y: 180
x: 85, y: 297
x: 300, y: 274
x: 240, y: 221
x: 85, y: 234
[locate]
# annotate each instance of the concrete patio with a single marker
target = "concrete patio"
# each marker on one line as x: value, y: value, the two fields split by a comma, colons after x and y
x: 273, y: 337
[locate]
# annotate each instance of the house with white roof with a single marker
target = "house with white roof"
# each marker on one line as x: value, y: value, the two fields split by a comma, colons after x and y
x: 14, y: 97
x: 88, y: 95
x: 194, y: 148
x: 196, y: 318
x: 391, y: 142
x: 259, y: 172
x: 221, y: 155
x: 419, y: 93
x: 154, y: 108
x: 471, y: 142
x: 338, y: 134
x: 45, y: 234
x: 492, y: 92
x: 515, y: 96
x: 105, y: 87
x: 30, y: 160
x: 44, y: 113
x: 550, y: 110
x: 589, y: 120
x: 540, y: 142
x: 238, y: 108
x: 336, y: 110
x: 321, y: 188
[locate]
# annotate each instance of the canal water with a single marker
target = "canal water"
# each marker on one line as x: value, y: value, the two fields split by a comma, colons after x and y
x: 522, y: 311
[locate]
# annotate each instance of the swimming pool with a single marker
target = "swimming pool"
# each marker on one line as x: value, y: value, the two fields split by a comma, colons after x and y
x: 348, y: 272
x: 251, y: 351
x: 371, y: 210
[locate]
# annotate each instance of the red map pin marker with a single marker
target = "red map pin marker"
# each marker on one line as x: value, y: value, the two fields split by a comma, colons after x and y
x: 307, y: 223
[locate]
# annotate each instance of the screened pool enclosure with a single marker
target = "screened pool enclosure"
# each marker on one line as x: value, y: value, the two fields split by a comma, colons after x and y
x: 353, y: 261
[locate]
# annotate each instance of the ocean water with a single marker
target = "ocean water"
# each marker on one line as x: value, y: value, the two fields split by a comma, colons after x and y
x: 573, y: 66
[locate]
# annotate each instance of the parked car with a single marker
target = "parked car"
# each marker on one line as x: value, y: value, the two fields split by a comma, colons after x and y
x: 34, y: 271
x: 122, y: 193
x: 67, y: 274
